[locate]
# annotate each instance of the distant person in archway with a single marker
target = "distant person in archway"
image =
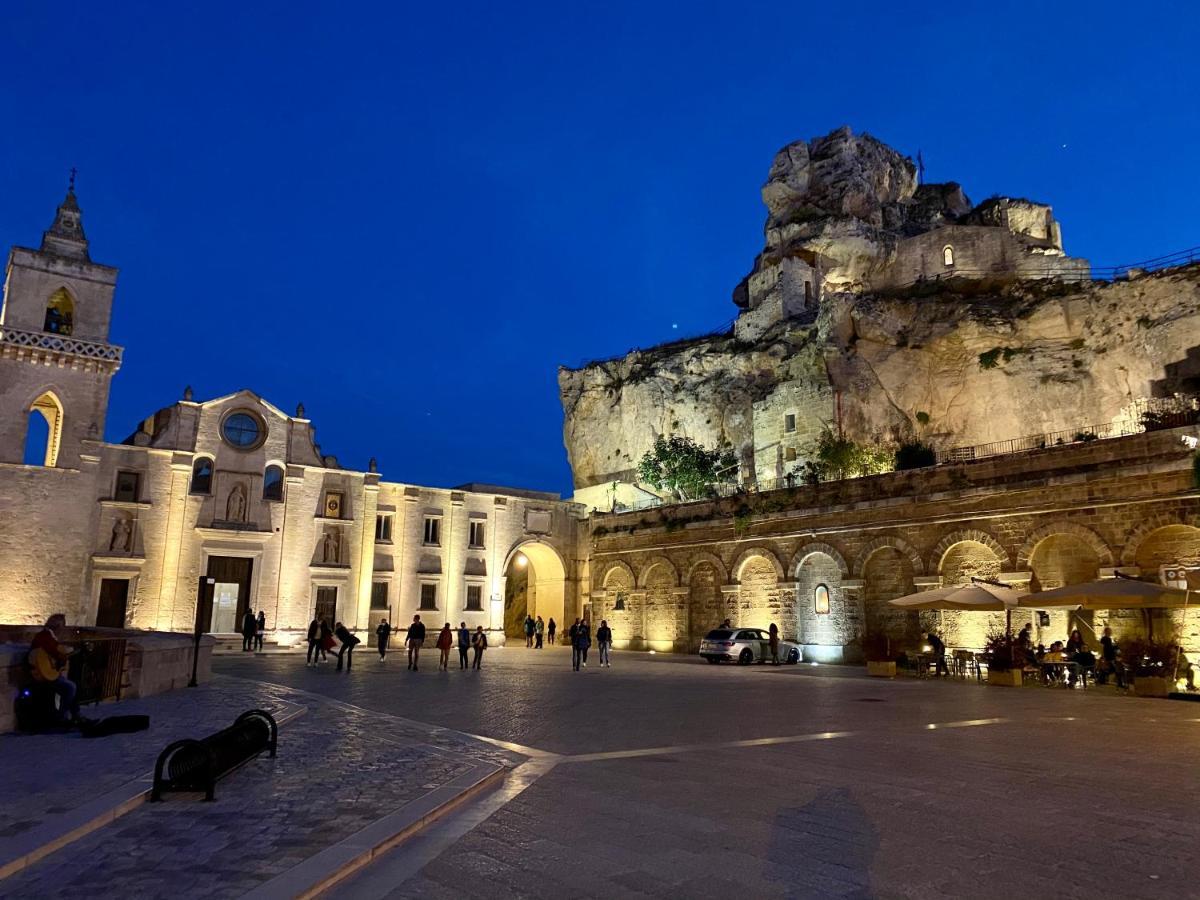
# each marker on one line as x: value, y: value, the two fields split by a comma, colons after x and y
x: 539, y: 628
x: 414, y: 640
x: 444, y: 642
x: 530, y: 628
x: 550, y: 627
x: 573, y: 639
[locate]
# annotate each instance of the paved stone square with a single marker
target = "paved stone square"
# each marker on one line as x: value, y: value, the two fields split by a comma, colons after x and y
x: 667, y: 777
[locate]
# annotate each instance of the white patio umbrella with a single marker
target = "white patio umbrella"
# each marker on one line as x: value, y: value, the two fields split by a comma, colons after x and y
x: 1108, y: 593
x: 983, y: 596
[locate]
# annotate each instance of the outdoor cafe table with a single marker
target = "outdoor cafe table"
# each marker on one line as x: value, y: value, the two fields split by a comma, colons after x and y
x: 1056, y: 667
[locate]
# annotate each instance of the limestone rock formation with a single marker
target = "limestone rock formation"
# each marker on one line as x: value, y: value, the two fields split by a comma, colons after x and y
x: 899, y: 311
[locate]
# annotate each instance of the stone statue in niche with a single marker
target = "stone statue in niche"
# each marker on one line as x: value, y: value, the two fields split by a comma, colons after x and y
x: 235, y: 507
x: 330, y: 551
x: 122, y: 531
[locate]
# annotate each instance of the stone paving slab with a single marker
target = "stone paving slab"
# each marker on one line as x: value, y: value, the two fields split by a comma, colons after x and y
x: 339, y: 771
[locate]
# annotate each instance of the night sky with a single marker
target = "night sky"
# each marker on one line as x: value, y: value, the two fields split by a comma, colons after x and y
x: 408, y: 216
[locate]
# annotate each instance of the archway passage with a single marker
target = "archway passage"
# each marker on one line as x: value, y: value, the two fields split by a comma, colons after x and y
x: 535, y: 585
x: 44, y: 431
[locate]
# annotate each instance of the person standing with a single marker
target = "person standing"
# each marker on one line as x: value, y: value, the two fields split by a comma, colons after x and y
x: 1109, y: 663
x: 773, y: 643
x: 604, y: 641
x: 539, y: 629
x: 550, y: 631
x: 383, y: 634
x: 585, y: 641
x: 939, y: 654
x: 249, y: 626
x: 479, y: 643
x: 573, y: 639
x: 464, y: 644
x: 314, y: 643
x: 444, y: 642
x: 349, y: 642
x: 529, y: 629
x: 414, y: 640
x: 260, y: 630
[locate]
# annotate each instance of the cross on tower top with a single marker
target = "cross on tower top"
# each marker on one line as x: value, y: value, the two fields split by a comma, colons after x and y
x: 71, y: 183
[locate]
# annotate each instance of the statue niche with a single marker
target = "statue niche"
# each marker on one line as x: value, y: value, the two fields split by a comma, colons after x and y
x: 235, y: 506
x: 330, y: 546
x: 122, y: 534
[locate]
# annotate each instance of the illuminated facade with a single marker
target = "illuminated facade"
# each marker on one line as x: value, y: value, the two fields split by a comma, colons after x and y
x: 231, y: 489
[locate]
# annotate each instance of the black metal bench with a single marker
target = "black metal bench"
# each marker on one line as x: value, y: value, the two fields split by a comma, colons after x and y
x: 191, y: 765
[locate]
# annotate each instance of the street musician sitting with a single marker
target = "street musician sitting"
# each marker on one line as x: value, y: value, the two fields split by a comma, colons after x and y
x: 48, y: 665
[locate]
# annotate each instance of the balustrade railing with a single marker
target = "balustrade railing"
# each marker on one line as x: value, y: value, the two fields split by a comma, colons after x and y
x: 58, y: 343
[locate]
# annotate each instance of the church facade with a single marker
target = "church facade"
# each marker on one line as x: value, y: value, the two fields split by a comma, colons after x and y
x: 229, y: 499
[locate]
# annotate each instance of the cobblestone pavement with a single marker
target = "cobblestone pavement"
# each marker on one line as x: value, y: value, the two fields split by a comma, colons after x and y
x: 678, y: 779
x: 338, y: 770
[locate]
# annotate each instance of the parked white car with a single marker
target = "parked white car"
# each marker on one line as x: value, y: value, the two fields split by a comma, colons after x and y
x: 744, y: 646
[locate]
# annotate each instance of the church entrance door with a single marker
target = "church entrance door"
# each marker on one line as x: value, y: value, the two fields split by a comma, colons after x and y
x: 231, y: 592
x: 114, y: 595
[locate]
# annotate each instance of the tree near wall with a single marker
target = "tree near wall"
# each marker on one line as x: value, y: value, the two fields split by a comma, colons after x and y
x: 685, y: 468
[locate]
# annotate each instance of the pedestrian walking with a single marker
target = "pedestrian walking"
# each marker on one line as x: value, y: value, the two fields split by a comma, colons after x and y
x: 349, y: 642
x: 314, y: 643
x: 444, y: 642
x: 539, y: 630
x: 773, y: 643
x: 464, y: 644
x: 383, y: 634
x: 260, y: 630
x: 604, y: 641
x: 479, y: 644
x: 327, y: 641
x: 414, y: 640
x: 550, y: 626
x: 529, y: 629
x: 249, y: 627
x: 572, y: 639
x: 938, y: 646
x: 585, y: 641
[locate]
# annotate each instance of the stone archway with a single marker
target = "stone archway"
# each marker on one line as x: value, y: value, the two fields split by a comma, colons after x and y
x: 888, y: 573
x: 707, y: 606
x: 664, y: 609
x: 1056, y: 560
x: 535, y: 584
x: 619, y: 603
x: 960, y: 561
x: 825, y: 622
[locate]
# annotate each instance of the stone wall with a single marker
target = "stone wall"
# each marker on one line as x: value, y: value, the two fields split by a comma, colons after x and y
x: 1035, y: 520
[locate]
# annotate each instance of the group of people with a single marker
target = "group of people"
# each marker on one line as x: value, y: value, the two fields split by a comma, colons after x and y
x: 414, y: 640
x: 321, y: 641
x: 253, y: 629
x: 535, y: 629
x: 580, y: 637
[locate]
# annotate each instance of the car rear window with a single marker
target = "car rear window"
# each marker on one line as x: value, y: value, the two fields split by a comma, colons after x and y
x: 720, y: 634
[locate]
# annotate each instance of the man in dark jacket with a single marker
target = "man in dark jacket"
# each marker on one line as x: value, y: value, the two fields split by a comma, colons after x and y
x: 604, y: 641
x: 314, y: 643
x: 572, y: 637
x: 383, y: 633
x: 249, y: 629
x: 414, y: 640
x: 348, y: 641
x: 464, y: 644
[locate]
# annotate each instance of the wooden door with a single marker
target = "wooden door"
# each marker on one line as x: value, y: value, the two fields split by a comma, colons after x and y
x: 327, y: 604
x: 114, y: 597
x: 233, y: 570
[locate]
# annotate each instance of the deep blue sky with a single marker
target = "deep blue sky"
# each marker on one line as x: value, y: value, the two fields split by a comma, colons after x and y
x: 408, y: 216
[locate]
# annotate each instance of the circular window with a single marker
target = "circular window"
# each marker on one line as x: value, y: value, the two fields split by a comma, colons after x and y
x: 242, y: 430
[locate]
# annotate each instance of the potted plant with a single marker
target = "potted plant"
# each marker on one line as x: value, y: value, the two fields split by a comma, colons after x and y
x: 1000, y: 654
x: 880, y: 663
x: 1150, y: 664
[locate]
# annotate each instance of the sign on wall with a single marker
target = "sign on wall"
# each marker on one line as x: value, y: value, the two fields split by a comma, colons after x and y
x: 538, y: 521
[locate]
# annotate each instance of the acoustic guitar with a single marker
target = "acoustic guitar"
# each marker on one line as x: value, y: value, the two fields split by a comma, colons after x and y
x: 45, y: 667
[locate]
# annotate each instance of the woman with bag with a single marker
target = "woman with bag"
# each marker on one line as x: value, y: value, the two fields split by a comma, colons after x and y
x: 479, y: 643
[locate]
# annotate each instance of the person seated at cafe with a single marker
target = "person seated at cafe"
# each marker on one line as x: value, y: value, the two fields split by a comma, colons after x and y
x: 1184, y: 670
x: 1075, y: 642
x: 48, y: 665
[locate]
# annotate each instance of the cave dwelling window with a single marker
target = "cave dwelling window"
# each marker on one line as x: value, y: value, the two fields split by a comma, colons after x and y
x: 948, y: 256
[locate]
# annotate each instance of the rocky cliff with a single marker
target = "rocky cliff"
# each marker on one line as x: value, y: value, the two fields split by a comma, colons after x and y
x: 952, y: 360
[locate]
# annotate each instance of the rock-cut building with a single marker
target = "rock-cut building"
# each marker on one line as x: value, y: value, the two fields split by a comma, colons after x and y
x: 230, y: 496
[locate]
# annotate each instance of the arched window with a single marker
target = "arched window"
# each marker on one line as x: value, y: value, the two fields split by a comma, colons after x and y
x: 60, y: 313
x: 273, y: 483
x: 202, y: 471
x: 948, y: 256
x: 821, y: 600
x: 43, y: 436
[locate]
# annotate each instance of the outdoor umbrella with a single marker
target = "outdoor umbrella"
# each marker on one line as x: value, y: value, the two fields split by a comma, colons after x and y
x: 1108, y: 593
x: 979, y: 595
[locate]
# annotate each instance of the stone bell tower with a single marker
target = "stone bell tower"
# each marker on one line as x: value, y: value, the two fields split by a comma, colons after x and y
x: 55, y: 359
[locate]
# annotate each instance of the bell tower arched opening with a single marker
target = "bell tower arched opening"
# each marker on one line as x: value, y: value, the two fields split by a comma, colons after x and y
x: 60, y: 313
x: 43, y: 436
